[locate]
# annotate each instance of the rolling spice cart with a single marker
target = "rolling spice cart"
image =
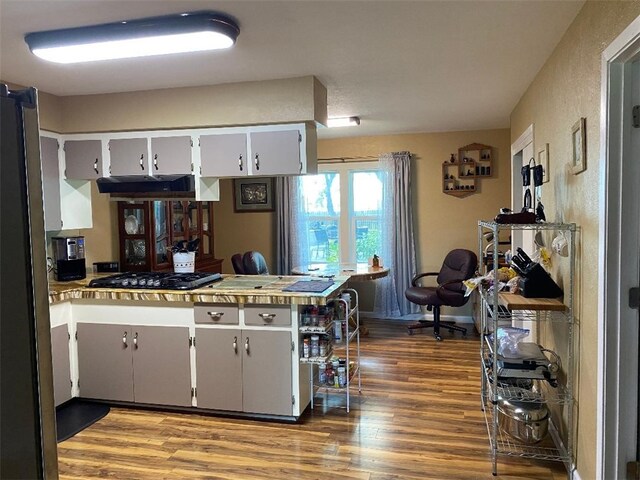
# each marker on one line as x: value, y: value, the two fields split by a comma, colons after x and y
x: 558, y: 393
x: 349, y: 325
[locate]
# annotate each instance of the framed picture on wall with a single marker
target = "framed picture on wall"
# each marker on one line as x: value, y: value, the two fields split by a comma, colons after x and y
x: 543, y: 159
x: 579, y: 147
x: 253, y: 194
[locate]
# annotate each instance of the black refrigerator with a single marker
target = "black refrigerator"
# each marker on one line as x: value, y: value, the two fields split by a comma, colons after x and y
x: 27, y: 413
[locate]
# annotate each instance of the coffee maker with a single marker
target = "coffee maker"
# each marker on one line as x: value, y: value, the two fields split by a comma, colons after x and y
x: 68, y: 254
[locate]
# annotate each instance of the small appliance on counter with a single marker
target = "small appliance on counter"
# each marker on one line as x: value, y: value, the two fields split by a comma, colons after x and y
x: 106, y: 267
x: 68, y: 254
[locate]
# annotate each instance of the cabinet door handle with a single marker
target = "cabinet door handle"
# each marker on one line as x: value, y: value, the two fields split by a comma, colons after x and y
x: 215, y: 315
x: 135, y: 340
x: 95, y: 166
x: 257, y: 161
x: 267, y: 317
x: 155, y: 161
x: 235, y: 344
x: 124, y: 340
x: 246, y: 346
x: 141, y: 161
x: 240, y: 162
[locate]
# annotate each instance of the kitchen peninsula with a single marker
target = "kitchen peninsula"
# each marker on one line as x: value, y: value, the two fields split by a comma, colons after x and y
x: 231, y: 347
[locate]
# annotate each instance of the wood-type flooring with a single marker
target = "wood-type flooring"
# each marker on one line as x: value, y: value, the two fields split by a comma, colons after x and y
x: 418, y: 417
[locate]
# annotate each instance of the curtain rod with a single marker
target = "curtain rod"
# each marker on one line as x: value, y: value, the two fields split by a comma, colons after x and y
x: 347, y: 159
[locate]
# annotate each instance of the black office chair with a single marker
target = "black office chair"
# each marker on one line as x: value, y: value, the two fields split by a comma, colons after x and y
x: 254, y: 263
x: 236, y: 261
x: 458, y: 265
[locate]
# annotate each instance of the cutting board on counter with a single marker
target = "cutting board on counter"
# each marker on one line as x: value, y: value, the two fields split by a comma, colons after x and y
x: 513, y: 301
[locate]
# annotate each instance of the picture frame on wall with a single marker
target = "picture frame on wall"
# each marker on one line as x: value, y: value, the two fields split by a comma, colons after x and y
x: 543, y: 159
x: 253, y: 194
x: 579, y: 147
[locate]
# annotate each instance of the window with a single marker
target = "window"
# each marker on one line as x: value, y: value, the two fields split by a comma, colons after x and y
x: 341, y: 213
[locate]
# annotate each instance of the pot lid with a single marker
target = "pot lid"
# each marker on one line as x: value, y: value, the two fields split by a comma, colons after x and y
x: 534, y: 411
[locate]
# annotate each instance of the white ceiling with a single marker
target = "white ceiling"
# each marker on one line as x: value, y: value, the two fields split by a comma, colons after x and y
x: 402, y: 66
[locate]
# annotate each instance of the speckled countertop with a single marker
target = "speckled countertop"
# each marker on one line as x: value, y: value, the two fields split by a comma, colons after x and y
x: 263, y: 289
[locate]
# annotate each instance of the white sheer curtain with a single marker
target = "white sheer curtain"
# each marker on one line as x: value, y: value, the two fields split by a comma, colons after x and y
x: 398, y: 245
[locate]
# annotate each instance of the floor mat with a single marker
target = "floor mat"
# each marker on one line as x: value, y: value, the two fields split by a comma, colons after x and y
x: 77, y: 415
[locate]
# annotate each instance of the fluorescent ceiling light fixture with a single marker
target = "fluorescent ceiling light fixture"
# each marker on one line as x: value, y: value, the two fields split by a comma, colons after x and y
x: 343, y: 122
x: 179, y: 33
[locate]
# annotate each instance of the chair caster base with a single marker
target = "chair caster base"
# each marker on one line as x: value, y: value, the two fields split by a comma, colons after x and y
x: 438, y: 338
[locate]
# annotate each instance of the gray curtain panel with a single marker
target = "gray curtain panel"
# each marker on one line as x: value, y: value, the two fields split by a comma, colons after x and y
x: 397, y: 235
x: 283, y: 225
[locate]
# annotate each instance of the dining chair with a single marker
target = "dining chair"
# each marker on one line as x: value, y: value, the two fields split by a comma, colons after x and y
x: 254, y: 263
x: 236, y: 262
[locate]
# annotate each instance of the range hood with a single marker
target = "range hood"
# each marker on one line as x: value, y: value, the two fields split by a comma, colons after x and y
x: 143, y: 185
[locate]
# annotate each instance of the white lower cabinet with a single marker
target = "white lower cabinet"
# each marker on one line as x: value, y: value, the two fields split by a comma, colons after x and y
x: 61, y: 364
x: 134, y: 363
x: 244, y: 370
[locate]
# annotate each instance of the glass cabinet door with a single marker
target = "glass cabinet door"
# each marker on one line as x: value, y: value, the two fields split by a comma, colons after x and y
x: 149, y: 229
x: 178, y: 227
x: 134, y: 251
x: 206, y: 241
x: 161, y: 235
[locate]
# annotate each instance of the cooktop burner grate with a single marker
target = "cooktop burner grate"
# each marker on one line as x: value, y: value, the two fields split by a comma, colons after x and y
x: 156, y: 280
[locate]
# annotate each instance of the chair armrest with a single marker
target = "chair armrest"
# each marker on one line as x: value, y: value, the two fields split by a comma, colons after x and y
x: 449, y: 282
x: 415, y: 279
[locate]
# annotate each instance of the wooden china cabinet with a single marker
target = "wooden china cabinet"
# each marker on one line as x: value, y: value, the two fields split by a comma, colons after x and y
x: 148, y: 229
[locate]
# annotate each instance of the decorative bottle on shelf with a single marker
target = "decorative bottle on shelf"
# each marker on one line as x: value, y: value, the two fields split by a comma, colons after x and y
x: 453, y: 158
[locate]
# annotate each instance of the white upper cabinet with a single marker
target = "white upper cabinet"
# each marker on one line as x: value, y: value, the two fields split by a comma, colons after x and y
x: 171, y: 155
x: 83, y: 159
x: 67, y: 201
x: 129, y: 156
x: 224, y: 155
x: 259, y: 151
x: 276, y: 153
x: 50, y: 184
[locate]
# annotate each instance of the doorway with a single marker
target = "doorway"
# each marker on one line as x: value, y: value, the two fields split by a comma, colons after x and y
x: 619, y: 262
x: 521, y: 151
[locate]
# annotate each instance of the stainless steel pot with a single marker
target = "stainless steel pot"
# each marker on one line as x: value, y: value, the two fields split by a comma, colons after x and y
x: 525, y: 421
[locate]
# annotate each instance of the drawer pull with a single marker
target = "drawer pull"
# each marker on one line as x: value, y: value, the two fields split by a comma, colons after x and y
x: 135, y: 340
x: 246, y: 346
x: 124, y: 340
x: 215, y: 315
x: 235, y: 344
x: 267, y: 317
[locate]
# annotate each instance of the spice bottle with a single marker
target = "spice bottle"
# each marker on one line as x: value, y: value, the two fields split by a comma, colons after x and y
x: 329, y: 378
x: 322, y: 373
x: 315, y: 345
x: 342, y: 376
x: 305, y: 348
x: 323, y: 347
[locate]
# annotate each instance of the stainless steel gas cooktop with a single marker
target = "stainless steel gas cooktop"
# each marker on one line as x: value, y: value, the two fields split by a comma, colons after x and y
x: 156, y: 280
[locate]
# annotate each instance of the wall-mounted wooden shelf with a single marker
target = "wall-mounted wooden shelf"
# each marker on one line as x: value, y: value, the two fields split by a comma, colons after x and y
x: 460, y: 175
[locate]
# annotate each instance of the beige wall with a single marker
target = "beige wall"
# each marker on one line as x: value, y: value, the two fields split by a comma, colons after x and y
x: 239, y: 232
x: 247, y: 103
x: 565, y: 89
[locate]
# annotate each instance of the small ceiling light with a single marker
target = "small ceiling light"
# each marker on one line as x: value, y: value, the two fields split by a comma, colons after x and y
x: 343, y: 122
x: 180, y: 33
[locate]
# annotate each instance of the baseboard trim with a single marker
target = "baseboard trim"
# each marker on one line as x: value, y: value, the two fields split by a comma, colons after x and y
x: 412, y: 317
x: 575, y: 475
